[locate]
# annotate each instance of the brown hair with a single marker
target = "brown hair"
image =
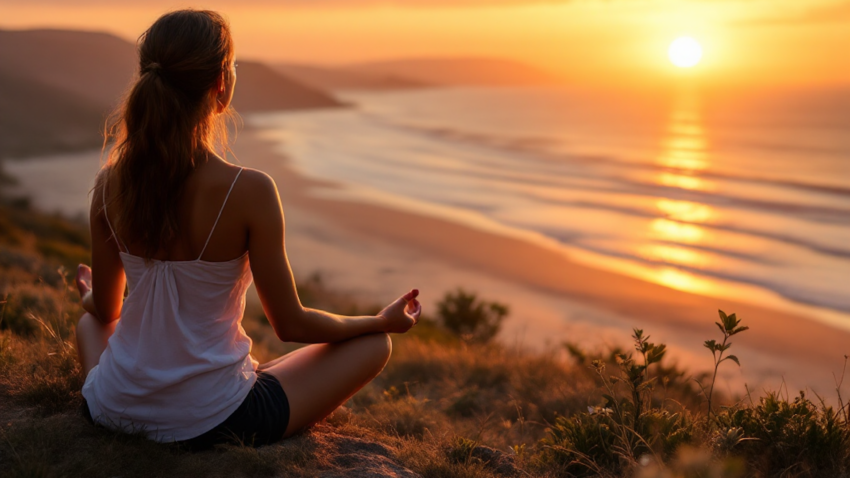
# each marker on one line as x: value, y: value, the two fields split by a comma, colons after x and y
x: 167, y: 124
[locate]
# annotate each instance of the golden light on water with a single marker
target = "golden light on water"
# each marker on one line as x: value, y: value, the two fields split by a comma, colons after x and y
x: 679, y: 280
x: 683, y: 182
x: 673, y: 231
x: 673, y: 255
x: 684, y: 148
x: 684, y: 210
x: 684, y: 155
x: 685, y: 52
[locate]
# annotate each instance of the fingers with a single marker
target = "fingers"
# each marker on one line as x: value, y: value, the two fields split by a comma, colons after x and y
x: 83, y: 279
x: 414, y: 309
x: 411, y: 295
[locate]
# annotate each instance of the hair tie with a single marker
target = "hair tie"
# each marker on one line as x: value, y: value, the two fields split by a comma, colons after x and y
x: 152, y: 67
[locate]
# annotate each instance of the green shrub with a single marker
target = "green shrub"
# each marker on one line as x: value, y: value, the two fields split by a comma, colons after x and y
x: 777, y: 435
x: 585, y: 443
x: 460, y: 450
x: 469, y: 318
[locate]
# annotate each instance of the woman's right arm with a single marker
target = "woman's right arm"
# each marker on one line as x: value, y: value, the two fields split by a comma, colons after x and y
x: 275, y: 283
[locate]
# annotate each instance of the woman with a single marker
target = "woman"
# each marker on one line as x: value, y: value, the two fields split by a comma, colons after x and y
x: 191, y: 232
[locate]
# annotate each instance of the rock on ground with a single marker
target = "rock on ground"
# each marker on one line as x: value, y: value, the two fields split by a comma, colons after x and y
x: 352, y: 457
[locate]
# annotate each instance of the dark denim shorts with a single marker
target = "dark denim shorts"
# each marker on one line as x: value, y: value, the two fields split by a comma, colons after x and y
x: 261, y: 419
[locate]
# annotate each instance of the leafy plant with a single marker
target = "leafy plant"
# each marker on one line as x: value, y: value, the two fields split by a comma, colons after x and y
x: 729, y: 325
x: 780, y: 435
x: 460, y: 450
x: 472, y: 319
x: 625, y: 426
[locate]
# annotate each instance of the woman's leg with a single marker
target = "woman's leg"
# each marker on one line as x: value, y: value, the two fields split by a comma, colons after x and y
x: 92, y: 335
x: 319, y: 378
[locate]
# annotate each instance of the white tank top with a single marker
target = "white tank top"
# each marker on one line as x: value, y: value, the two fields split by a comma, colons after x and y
x: 179, y: 361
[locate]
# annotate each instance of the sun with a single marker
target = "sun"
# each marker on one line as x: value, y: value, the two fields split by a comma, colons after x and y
x: 685, y: 52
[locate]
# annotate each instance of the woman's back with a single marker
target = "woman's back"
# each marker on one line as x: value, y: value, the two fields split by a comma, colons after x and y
x: 202, y: 202
x: 179, y: 340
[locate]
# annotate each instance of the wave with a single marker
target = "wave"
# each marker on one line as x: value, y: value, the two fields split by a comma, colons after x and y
x: 543, y: 146
x: 811, y: 296
x: 620, y: 184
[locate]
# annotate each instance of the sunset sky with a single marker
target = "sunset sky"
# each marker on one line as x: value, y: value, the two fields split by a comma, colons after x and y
x: 745, y: 42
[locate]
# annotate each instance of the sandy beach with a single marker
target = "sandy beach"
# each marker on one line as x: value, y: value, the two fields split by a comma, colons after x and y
x: 376, y: 253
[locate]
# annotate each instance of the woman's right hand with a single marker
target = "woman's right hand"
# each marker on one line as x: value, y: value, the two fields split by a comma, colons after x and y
x: 402, y: 314
x: 83, y: 281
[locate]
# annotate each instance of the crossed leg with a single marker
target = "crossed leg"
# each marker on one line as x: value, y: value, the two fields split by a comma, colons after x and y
x: 92, y: 335
x: 319, y: 378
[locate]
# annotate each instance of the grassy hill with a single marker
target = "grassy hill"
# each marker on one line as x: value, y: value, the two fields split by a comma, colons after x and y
x: 451, y: 401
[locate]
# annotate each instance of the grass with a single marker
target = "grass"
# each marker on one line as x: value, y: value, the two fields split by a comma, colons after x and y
x: 449, y: 403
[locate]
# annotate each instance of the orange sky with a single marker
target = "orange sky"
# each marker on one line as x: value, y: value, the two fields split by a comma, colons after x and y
x: 750, y: 42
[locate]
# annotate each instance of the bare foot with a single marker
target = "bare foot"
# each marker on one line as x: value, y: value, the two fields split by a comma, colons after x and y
x: 83, y: 279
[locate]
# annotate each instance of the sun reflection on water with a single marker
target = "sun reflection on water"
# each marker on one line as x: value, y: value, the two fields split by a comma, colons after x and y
x: 680, y: 280
x: 672, y: 231
x: 686, y: 211
x: 684, y: 152
x: 684, y: 155
x: 684, y: 182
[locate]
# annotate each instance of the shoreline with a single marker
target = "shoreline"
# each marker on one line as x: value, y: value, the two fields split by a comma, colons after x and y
x: 591, y: 301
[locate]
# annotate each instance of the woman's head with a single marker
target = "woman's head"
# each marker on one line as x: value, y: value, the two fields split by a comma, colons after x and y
x: 169, y: 122
x: 190, y: 51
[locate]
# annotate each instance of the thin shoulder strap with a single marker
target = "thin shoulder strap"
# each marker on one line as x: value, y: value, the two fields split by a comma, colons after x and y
x: 219, y: 214
x: 106, y: 215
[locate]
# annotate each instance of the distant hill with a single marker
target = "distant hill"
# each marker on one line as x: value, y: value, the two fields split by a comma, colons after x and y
x: 341, y: 79
x: 260, y: 88
x: 457, y: 71
x: 96, y: 66
x: 36, y: 118
x: 57, y: 86
x: 418, y: 73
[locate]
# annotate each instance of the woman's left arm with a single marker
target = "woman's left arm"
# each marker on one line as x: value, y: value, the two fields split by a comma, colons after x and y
x: 108, y: 279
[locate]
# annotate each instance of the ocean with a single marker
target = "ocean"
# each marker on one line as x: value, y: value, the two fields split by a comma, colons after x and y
x: 747, y: 197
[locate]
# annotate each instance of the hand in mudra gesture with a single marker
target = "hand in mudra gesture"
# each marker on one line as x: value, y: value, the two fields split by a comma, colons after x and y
x: 402, y: 314
x: 83, y: 281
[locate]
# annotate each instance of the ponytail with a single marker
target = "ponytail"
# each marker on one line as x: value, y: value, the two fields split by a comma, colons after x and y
x: 167, y: 124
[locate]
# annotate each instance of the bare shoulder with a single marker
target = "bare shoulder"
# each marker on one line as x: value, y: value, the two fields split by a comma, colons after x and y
x: 97, y: 192
x: 257, y: 184
x: 256, y: 193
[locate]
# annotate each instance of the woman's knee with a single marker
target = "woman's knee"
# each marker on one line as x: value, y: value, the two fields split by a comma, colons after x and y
x: 89, y: 323
x: 376, y: 347
x: 86, y: 323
